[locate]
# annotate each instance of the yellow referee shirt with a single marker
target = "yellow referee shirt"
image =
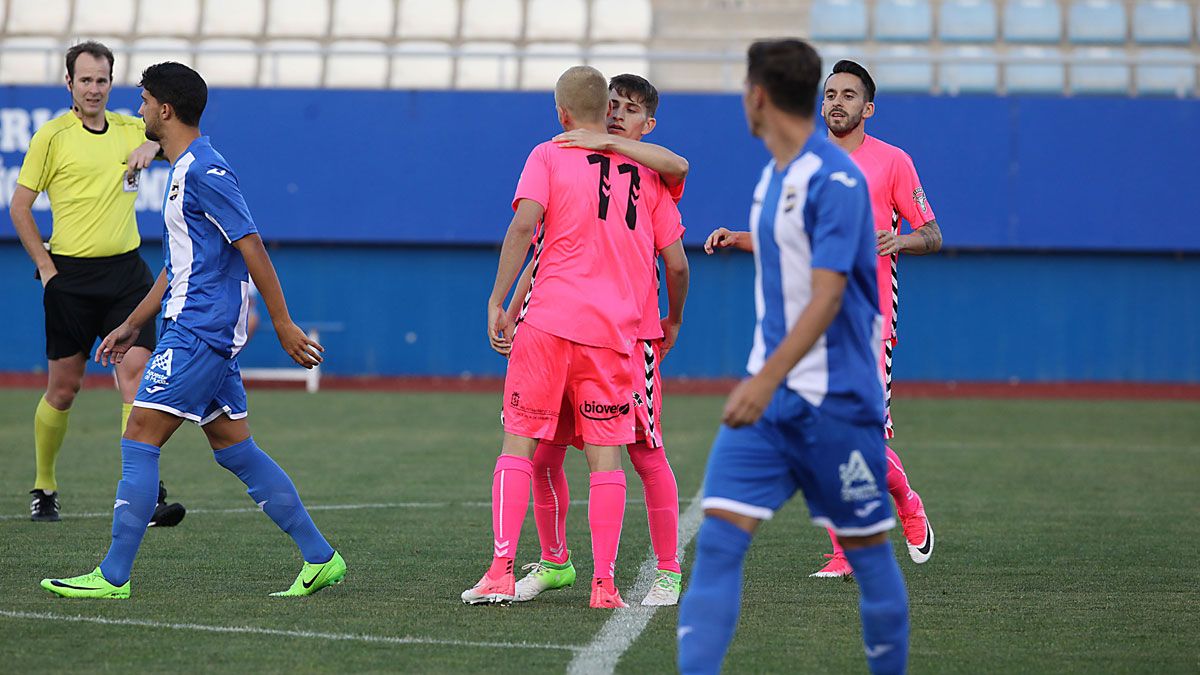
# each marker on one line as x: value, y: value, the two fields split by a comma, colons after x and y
x: 83, y: 173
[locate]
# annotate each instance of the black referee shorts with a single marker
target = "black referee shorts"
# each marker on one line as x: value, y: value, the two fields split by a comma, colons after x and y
x: 89, y: 297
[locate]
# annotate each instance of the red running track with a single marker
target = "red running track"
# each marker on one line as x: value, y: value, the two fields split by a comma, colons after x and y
x: 683, y: 386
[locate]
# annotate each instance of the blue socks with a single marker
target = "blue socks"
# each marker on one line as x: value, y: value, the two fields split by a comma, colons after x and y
x: 275, y: 494
x: 137, y: 495
x: 884, y: 607
x: 709, y: 612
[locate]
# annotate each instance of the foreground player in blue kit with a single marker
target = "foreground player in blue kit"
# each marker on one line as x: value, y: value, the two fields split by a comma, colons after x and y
x: 808, y: 417
x: 210, y: 244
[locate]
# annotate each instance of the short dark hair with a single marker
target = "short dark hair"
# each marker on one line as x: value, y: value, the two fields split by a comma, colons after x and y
x: 789, y: 70
x: 636, y: 88
x: 177, y: 85
x: 89, y: 47
x: 856, y: 69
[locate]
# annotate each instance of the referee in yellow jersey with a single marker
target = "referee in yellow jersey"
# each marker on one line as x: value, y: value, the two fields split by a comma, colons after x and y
x: 87, y: 161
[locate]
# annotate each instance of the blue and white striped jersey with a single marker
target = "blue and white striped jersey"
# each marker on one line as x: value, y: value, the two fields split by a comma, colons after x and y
x: 207, y: 281
x: 816, y: 213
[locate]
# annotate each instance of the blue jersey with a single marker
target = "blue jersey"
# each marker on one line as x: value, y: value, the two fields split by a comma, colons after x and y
x: 816, y: 213
x: 207, y: 282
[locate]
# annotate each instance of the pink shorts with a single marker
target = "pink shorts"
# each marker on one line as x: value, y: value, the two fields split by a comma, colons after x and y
x: 552, y: 380
x: 647, y: 400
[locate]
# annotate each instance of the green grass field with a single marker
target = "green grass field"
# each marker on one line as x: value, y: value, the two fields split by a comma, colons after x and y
x: 1066, y: 542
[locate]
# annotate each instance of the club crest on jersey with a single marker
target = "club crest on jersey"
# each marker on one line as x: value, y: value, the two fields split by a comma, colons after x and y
x: 789, y: 199
x: 858, y: 483
x: 919, y: 198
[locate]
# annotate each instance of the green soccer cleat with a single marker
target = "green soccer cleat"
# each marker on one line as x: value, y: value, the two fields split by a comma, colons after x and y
x: 90, y: 585
x: 546, y: 576
x: 664, y: 592
x: 315, y: 576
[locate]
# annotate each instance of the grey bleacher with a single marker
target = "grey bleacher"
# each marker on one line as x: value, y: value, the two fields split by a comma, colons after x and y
x: 1134, y: 47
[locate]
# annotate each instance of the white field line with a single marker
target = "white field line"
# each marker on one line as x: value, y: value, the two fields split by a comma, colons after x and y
x: 625, y: 625
x: 315, y: 507
x: 302, y: 634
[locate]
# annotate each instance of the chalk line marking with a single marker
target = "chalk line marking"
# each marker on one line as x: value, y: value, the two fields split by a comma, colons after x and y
x: 275, y: 632
x: 622, y: 629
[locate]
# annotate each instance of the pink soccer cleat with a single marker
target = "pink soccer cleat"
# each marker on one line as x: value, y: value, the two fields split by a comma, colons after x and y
x: 605, y: 594
x: 490, y: 590
x: 918, y: 534
x: 837, y: 566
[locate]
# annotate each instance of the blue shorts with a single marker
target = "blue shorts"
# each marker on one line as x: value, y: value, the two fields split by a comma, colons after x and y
x: 839, y: 466
x: 187, y: 378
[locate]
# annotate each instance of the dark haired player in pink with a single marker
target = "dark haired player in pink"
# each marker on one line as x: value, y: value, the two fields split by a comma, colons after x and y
x: 896, y: 194
x: 599, y: 218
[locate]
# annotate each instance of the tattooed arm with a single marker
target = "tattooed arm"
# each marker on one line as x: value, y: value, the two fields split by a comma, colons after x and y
x: 925, y: 239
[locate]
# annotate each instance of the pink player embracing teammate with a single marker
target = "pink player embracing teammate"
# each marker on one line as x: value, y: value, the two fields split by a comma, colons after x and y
x: 632, y: 104
x: 602, y: 218
x: 896, y: 194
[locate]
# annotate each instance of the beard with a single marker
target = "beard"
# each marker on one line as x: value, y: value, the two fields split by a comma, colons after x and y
x: 152, y: 135
x: 843, y: 125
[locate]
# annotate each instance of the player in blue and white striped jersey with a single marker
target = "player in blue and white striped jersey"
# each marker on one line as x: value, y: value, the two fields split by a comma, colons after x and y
x: 808, y: 417
x: 211, y: 250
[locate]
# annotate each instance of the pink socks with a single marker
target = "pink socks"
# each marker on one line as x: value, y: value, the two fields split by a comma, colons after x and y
x: 606, y: 510
x: 510, y: 501
x: 907, y: 501
x: 662, y: 502
x: 551, y: 498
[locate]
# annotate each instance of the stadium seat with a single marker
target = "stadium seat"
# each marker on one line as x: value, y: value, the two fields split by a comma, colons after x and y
x: 151, y: 50
x: 103, y: 18
x: 422, y: 65
x: 903, y: 21
x: 1096, y: 22
x: 967, y: 21
x: 832, y: 52
x: 487, y: 65
x: 545, y: 61
x: 298, y: 18
x: 903, y: 69
x: 227, y: 62
x: 1032, y: 21
x: 1041, y: 76
x: 1165, y: 72
x: 1160, y: 22
x: 363, y: 18
x: 617, y: 58
x: 965, y: 71
x: 31, y: 60
x: 357, y: 64
x: 491, y: 19
x: 621, y: 20
x: 223, y: 18
x: 45, y: 17
x: 555, y: 20
x: 421, y: 19
x: 178, y: 17
x: 291, y: 63
x: 1101, y: 77
x: 838, y: 20
x: 120, y: 56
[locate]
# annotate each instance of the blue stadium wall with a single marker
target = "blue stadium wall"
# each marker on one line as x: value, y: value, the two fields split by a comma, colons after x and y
x: 1073, y: 248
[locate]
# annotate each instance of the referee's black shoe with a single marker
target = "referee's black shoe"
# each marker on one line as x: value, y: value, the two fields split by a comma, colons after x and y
x: 166, y: 515
x: 44, y: 506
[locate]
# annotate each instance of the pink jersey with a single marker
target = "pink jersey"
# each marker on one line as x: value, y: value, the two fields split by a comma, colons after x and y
x: 605, y: 217
x: 651, y: 325
x: 896, y: 194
